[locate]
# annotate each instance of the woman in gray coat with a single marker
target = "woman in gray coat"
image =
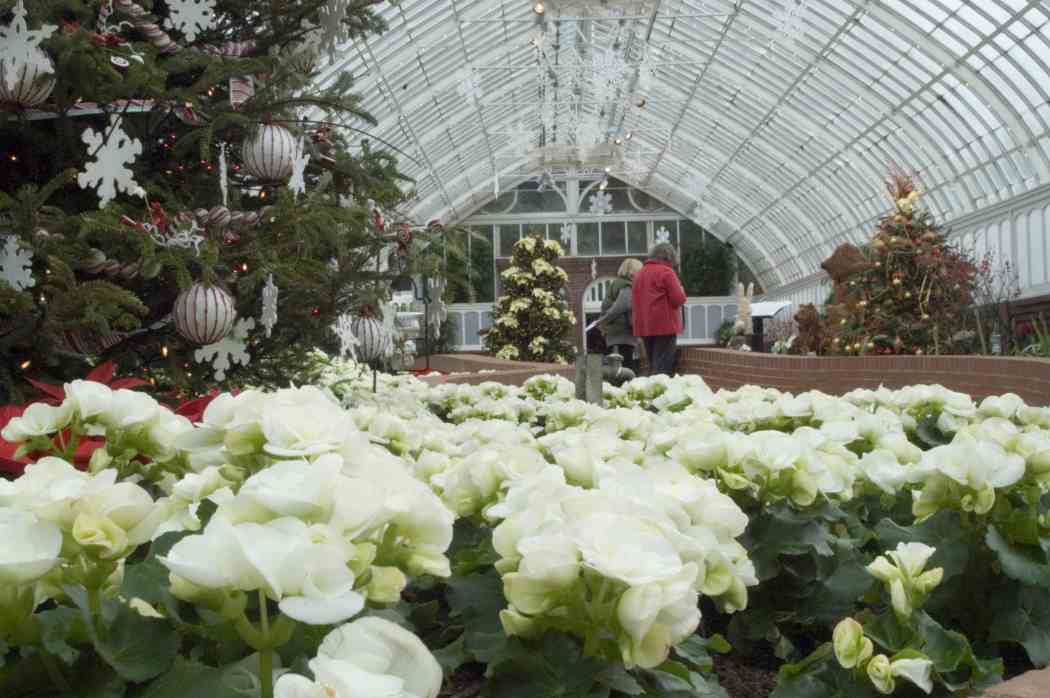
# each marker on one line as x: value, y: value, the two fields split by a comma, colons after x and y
x: 615, y: 320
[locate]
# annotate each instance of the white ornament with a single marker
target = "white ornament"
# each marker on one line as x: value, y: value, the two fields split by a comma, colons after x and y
x: 184, y: 234
x: 23, y: 63
x: 663, y: 235
x: 568, y: 232
x: 113, y: 151
x: 16, y: 264
x: 601, y: 203
x: 204, y: 314
x: 224, y: 174
x: 344, y: 330
x: 297, y: 184
x: 594, y: 268
x: 468, y: 84
x: 269, y: 305
x: 697, y: 184
x: 372, y: 339
x: 269, y: 154
x: 232, y: 349
x: 191, y: 17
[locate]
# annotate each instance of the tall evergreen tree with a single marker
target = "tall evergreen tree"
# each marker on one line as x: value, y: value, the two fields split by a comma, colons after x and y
x: 159, y: 90
x: 533, y: 320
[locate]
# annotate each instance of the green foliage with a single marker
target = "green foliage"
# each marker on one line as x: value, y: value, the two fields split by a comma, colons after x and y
x: 708, y: 267
x: 69, y: 237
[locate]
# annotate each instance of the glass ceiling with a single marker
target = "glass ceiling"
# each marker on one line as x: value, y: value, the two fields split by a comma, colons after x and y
x: 770, y: 122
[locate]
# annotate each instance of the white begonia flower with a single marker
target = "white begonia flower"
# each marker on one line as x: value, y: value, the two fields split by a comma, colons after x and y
x: 997, y: 430
x: 625, y: 548
x: 881, y: 675
x: 294, y: 429
x: 975, y: 464
x: 311, y: 581
x: 39, y: 419
x: 656, y: 616
x: 917, y: 671
x: 296, y: 488
x: 852, y: 649
x: 31, y: 548
x: 1034, y: 446
x: 898, y: 444
x: 882, y: 469
x: 89, y: 398
x: 382, y: 648
x: 130, y: 408
x: 1004, y: 406
x: 549, y: 564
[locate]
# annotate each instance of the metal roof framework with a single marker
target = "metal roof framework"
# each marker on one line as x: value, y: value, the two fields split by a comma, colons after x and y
x: 773, y: 123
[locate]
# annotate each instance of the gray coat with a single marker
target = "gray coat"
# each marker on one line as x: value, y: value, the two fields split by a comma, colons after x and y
x: 621, y: 306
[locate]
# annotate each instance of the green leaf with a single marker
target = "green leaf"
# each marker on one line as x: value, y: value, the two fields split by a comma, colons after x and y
x: 946, y: 648
x: 187, y: 679
x: 887, y: 632
x: 1023, y: 616
x: 1026, y: 564
x: 57, y: 625
x: 476, y: 601
x: 452, y: 656
x: 557, y: 670
x: 620, y: 680
x: 471, y: 550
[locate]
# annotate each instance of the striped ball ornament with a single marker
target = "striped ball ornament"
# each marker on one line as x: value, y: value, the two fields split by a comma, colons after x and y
x: 204, y: 314
x: 372, y: 339
x: 269, y: 154
x: 25, y: 84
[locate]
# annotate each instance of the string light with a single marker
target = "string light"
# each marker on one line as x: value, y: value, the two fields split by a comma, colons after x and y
x: 25, y: 364
x: 539, y: 8
x: 164, y: 351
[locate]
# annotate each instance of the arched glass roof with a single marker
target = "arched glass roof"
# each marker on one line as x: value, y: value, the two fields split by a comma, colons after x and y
x: 772, y: 122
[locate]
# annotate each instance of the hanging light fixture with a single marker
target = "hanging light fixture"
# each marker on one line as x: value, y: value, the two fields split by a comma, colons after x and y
x: 539, y: 8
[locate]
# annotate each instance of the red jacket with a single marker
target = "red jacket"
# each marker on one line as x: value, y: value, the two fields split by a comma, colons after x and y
x: 657, y: 298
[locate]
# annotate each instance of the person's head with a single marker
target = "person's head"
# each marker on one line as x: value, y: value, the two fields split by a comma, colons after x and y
x: 666, y: 252
x: 629, y: 268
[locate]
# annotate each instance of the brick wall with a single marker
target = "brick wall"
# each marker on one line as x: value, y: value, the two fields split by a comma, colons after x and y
x: 978, y: 376
x: 506, y: 372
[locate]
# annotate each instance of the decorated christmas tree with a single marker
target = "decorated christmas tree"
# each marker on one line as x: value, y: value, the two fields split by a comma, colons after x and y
x: 533, y: 320
x: 178, y: 195
x: 904, y: 294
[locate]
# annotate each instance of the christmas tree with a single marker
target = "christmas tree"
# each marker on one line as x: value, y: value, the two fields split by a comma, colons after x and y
x: 907, y: 292
x: 533, y: 320
x: 178, y: 194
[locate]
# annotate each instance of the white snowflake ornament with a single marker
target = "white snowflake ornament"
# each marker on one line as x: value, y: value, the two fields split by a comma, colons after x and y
x: 20, y: 51
x: 601, y: 203
x: 231, y: 349
x: 697, y: 184
x: 468, y: 83
x: 333, y: 31
x: 16, y: 264
x: 297, y: 183
x: 113, y: 151
x: 568, y: 231
x: 269, y: 305
x: 348, y: 341
x: 191, y: 17
x: 663, y: 236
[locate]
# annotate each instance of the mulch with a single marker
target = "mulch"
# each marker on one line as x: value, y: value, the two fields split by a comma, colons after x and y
x: 745, y: 677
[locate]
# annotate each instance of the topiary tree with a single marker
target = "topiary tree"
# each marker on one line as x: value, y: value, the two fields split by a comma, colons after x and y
x: 533, y: 320
x: 904, y: 293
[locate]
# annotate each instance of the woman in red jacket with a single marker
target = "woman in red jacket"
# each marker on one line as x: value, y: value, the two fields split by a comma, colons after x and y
x: 657, y: 300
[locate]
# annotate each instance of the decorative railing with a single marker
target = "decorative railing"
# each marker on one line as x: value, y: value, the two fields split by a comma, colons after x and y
x: 703, y: 317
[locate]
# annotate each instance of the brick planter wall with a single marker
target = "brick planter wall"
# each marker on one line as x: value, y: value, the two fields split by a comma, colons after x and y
x: 506, y: 372
x: 979, y: 376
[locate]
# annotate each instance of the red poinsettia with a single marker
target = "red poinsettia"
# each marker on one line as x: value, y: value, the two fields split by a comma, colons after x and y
x: 193, y: 410
x: 55, y: 395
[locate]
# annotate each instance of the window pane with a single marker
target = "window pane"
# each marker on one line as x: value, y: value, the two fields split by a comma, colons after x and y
x: 587, y: 238
x: 458, y: 265
x: 637, y: 238
x: 482, y: 272
x: 613, y: 240
x: 691, y: 236
x: 508, y: 235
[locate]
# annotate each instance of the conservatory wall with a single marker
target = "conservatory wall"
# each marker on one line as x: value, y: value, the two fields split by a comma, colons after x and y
x: 599, y: 221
